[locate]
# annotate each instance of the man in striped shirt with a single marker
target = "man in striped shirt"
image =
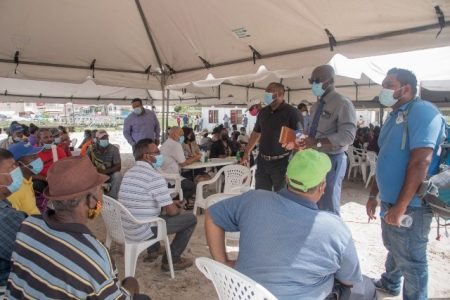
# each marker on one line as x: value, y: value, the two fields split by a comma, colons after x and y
x: 55, y: 255
x: 144, y: 192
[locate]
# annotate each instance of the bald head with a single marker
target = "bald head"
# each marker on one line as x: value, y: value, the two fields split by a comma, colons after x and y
x: 323, y: 73
x: 175, y: 132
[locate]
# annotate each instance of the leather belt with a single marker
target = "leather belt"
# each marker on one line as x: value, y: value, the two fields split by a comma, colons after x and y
x: 276, y: 157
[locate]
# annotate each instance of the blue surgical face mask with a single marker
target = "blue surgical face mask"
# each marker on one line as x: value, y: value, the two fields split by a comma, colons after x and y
x: 268, y: 98
x: 317, y: 89
x: 47, y: 146
x: 159, y: 161
x: 137, y: 110
x: 57, y: 140
x: 17, y: 139
x: 386, y: 97
x: 36, y: 166
x: 181, y: 139
x: 17, y: 180
x: 103, y: 143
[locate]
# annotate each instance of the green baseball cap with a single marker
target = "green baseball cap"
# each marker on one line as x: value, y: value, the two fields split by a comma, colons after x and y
x: 307, y: 169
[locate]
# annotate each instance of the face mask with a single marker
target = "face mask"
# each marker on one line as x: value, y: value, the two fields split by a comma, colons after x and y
x: 181, y: 139
x: 103, y: 143
x: 48, y: 146
x: 317, y: 89
x: 268, y: 98
x: 94, y: 140
x: 137, y: 110
x: 94, y: 212
x: 159, y: 161
x: 17, y: 139
x: 224, y: 137
x: 386, y: 97
x: 36, y: 166
x: 304, y: 113
x: 57, y: 140
x: 17, y: 180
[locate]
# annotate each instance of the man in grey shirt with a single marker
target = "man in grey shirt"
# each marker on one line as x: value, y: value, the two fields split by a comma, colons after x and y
x: 141, y: 124
x: 332, y: 129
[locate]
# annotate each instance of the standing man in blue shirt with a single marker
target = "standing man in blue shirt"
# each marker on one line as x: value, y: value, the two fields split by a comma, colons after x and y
x: 409, y: 144
x: 141, y: 124
x: 287, y: 244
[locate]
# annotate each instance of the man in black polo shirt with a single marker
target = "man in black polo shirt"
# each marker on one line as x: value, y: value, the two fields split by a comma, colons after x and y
x: 273, y: 159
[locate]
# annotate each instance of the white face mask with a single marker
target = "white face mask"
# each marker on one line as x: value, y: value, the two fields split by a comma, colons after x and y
x: 304, y: 113
x: 386, y: 97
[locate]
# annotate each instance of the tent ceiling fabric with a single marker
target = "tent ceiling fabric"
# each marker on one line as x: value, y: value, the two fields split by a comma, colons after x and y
x: 69, y: 35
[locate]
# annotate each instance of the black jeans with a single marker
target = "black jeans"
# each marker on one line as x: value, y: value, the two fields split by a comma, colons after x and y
x: 270, y: 174
x: 183, y: 226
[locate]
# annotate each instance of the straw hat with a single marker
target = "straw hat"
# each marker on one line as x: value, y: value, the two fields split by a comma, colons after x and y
x: 72, y: 177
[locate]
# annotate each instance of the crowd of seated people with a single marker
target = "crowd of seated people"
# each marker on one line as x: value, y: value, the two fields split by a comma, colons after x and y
x: 367, y: 138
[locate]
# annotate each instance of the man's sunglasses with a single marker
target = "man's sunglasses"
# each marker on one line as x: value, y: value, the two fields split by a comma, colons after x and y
x: 316, y: 80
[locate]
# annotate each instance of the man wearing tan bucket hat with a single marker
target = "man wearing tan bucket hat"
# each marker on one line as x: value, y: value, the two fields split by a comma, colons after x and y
x: 56, y: 256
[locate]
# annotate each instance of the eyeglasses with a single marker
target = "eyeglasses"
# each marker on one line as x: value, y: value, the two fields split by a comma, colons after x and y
x: 316, y: 80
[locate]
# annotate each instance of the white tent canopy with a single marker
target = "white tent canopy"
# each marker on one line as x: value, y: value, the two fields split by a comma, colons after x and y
x: 130, y: 43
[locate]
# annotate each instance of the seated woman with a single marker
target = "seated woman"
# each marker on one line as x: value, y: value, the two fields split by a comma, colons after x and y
x: 66, y: 260
x: 222, y: 147
x: 191, y: 149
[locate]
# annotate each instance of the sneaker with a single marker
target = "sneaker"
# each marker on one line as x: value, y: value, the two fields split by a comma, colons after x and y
x: 152, y: 256
x: 182, y: 264
x: 379, y: 285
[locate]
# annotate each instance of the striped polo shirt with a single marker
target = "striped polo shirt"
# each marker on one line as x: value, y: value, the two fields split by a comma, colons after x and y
x: 61, y: 261
x: 143, y: 192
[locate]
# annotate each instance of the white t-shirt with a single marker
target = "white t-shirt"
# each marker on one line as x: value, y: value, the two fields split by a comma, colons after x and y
x: 173, y: 156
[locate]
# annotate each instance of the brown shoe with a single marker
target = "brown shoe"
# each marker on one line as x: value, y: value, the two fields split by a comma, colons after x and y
x: 152, y: 256
x: 182, y: 264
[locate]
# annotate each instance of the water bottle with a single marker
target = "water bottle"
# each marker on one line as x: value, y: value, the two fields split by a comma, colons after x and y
x: 238, y: 155
x: 406, y: 221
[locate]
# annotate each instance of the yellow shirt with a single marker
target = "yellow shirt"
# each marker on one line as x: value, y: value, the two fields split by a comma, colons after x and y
x: 24, y: 199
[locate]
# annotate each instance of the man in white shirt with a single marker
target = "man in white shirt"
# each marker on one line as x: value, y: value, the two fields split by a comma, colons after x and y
x: 144, y: 192
x: 174, y: 159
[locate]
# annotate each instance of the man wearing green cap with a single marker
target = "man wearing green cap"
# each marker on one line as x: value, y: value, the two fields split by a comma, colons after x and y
x: 287, y: 244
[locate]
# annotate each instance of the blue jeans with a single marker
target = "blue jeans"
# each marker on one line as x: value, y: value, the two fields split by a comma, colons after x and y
x: 331, y: 199
x: 407, y: 253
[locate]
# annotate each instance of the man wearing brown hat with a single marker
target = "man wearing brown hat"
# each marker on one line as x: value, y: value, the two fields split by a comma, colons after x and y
x: 56, y: 256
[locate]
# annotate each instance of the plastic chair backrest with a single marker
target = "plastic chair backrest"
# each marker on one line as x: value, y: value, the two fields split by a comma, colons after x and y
x: 112, y: 216
x: 235, y: 175
x: 231, y: 284
x: 372, y: 158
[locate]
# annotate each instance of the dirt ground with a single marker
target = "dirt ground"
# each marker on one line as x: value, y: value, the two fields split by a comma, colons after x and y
x: 191, y: 284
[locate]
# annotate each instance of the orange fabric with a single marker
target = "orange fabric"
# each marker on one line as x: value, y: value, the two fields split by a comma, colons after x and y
x: 85, y: 147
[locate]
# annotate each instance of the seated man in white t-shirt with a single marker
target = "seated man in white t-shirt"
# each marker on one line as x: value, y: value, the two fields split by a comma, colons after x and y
x: 174, y: 158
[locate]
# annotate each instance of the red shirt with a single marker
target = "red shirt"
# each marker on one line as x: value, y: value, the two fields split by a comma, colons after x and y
x: 47, y: 158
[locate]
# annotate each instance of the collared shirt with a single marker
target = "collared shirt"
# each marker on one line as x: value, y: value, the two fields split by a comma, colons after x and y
x: 425, y: 130
x: 287, y: 244
x: 24, y: 199
x: 173, y: 156
x: 61, y: 261
x: 10, y: 220
x: 143, y: 192
x: 337, y: 121
x: 47, y: 158
x: 144, y: 126
x: 269, y: 123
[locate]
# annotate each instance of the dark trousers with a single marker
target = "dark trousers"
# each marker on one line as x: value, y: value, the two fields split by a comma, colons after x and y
x: 270, y: 174
x: 183, y: 226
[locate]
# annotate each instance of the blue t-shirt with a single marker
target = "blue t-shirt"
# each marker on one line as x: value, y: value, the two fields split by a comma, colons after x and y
x: 287, y: 244
x: 425, y: 130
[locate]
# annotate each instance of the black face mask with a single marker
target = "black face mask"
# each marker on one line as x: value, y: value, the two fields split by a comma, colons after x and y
x: 192, y: 139
x: 224, y: 137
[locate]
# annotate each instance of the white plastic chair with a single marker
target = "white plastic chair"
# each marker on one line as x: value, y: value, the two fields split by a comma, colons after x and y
x: 231, y: 284
x: 73, y: 142
x: 112, y: 216
x: 176, y: 190
x: 235, y: 176
x: 372, y: 160
x: 229, y: 236
x: 246, y: 188
x: 356, y: 160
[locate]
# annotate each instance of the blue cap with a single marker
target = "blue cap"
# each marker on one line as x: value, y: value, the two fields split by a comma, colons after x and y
x: 20, y: 150
x: 15, y: 128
